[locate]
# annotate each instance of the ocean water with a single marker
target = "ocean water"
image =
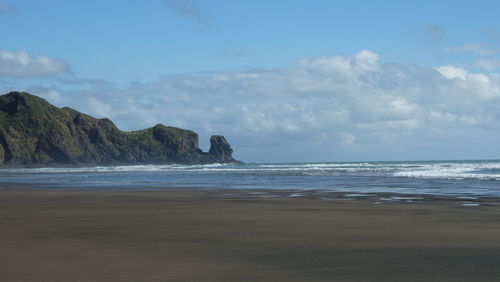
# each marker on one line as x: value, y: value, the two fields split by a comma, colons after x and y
x: 457, y: 178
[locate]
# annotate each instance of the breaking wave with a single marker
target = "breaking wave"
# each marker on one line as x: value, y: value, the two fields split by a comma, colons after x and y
x: 427, y: 177
x: 481, y: 170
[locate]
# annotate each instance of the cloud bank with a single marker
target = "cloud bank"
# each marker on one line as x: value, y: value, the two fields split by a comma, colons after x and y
x: 327, y: 108
x: 21, y: 64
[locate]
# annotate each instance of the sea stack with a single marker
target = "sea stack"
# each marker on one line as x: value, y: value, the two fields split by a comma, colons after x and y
x: 220, y: 148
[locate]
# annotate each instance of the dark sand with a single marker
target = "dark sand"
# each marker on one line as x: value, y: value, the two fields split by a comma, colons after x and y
x: 195, y: 235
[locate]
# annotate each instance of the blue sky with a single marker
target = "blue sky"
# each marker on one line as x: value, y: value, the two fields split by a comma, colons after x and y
x: 282, y: 80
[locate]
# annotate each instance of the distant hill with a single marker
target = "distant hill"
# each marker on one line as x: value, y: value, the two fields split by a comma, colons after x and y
x: 35, y: 133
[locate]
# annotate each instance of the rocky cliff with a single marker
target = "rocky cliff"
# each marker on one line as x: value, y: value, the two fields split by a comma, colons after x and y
x: 36, y: 133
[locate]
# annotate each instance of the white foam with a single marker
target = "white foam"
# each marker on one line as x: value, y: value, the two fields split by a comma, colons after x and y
x: 444, y: 170
x: 125, y: 168
x: 469, y: 204
x: 356, y: 195
x: 452, y: 171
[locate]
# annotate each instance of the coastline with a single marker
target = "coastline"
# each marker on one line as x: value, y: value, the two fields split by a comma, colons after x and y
x: 192, y: 234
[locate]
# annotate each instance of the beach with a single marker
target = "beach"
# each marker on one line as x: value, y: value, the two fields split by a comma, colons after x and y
x: 195, y: 234
x: 280, y: 141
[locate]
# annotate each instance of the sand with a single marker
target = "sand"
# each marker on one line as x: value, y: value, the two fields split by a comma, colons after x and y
x: 200, y: 235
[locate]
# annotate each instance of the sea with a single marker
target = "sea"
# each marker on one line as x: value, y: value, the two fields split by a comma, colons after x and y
x: 466, y: 179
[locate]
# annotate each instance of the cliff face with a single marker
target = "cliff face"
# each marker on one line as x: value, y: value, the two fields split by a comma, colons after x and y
x: 36, y: 133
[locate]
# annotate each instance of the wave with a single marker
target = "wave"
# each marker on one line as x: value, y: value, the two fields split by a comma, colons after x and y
x: 481, y: 170
x: 464, y: 178
x: 122, y: 168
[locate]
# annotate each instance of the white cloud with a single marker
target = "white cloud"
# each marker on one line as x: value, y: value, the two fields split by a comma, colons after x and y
x: 100, y: 108
x: 20, y: 64
x: 476, y: 84
x: 476, y: 48
x: 52, y: 95
x: 312, y: 109
x: 348, y: 139
x: 487, y: 64
x: 362, y: 61
x: 452, y: 72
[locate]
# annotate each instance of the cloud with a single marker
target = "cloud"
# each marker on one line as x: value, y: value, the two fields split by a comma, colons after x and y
x: 487, y: 64
x: 84, y: 82
x: 189, y: 10
x: 325, y: 108
x: 433, y: 32
x: 99, y: 107
x: 20, y: 64
x: 476, y: 48
x: 452, y: 72
x: 362, y: 61
x: 492, y: 33
x: 479, y: 85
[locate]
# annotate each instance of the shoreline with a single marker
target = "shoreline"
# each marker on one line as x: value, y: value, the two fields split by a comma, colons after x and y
x: 466, y: 200
x: 227, y: 235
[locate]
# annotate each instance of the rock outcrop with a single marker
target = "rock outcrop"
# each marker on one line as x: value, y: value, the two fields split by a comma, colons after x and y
x: 36, y: 133
x: 220, y: 148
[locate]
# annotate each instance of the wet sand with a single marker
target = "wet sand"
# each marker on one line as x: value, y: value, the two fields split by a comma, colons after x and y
x: 201, y: 235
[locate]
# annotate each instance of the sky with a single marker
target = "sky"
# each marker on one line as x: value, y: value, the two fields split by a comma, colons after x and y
x: 283, y: 81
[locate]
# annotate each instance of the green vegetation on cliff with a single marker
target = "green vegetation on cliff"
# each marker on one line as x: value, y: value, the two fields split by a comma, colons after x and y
x: 36, y: 133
